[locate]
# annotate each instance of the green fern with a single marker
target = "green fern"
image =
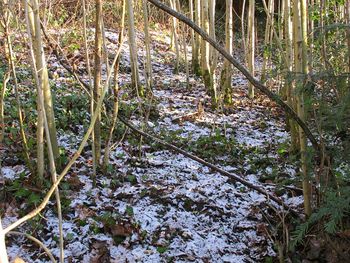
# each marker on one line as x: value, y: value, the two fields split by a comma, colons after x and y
x: 335, y: 209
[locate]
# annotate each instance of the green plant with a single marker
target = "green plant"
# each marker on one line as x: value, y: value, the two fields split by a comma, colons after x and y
x: 332, y: 216
x: 129, y: 211
x: 23, y: 193
x: 162, y: 250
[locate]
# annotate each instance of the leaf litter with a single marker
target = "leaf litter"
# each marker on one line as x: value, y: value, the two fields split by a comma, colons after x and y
x: 163, y: 206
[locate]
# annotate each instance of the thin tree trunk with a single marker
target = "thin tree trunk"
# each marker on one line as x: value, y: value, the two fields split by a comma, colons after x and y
x: 44, y: 79
x: 193, y: 42
x: 149, y: 81
x: 135, y: 78
x: 197, y: 50
x: 40, y: 123
x: 206, y: 71
x: 91, y: 87
x: 244, y: 43
x: 251, y: 44
x: 5, y: 80
x: 300, y: 68
x: 226, y: 75
x: 213, y: 55
x: 183, y: 29
x: 36, y: 53
x: 19, y: 105
x: 347, y: 19
x: 115, y: 92
x: 175, y: 37
x: 289, y: 85
x: 267, y: 42
x: 212, y: 34
x: 97, y: 77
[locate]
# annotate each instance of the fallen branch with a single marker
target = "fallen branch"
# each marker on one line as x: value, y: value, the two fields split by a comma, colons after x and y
x: 243, y: 70
x: 233, y: 177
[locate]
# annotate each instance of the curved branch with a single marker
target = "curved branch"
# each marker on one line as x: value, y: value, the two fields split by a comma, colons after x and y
x: 243, y: 70
x: 35, y: 240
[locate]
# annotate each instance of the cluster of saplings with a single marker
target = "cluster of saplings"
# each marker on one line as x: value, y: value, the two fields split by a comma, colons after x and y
x: 305, y: 71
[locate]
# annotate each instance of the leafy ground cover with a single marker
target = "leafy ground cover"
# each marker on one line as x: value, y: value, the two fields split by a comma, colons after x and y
x: 154, y: 205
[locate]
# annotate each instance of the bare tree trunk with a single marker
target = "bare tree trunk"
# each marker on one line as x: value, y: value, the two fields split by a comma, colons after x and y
x: 206, y: 71
x: 251, y: 44
x: 175, y: 37
x: 193, y: 42
x: 226, y: 75
x: 183, y: 30
x: 213, y: 55
x: 268, y: 39
x: 149, y: 81
x: 300, y: 69
x: 115, y: 92
x: 135, y: 78
x: 44, y: 79
x: 37, y: 59
x: 212, y: 33
x: 244, y: 43
x: 97, y: 77
x: 40, y: 123
x: 288, y: 83
x: 91, y: 86
x: 197, y: 50
x: 347, y: 19
x: 19, y: 105
x: 5, y: 80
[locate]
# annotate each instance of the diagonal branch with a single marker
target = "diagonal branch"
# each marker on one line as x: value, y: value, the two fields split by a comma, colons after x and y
x: 287, y: 109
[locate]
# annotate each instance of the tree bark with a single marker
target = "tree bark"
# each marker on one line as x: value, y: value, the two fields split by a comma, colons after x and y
x: 149, y: 81
x: 226, y: 75
x: 97, y: 77
x: 135, y: 78
x: 300, y: 68
x: 44, y: 79
x: 196, y: 50
x: 251, y: 44
x: 40, y: 164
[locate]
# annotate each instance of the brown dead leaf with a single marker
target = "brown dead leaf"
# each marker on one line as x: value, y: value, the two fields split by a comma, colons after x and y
x: 84, y: 212
x: 100, y: 252
x: 261, y: 229
x: 124, y: 230
x: 74, y: 181
x: 344, y: 234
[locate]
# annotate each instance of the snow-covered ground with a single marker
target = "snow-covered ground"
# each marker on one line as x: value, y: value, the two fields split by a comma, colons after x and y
x: 164, y: 207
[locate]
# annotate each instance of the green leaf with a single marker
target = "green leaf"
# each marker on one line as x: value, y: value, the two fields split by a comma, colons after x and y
x: 162, y: 250
x: 70, y: 236
x: 129, y: 211
x: 22, y: 192
x: 34, y: 198
x: 131, y: 178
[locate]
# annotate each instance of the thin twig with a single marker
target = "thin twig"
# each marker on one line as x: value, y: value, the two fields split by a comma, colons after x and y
x: 35, y: 240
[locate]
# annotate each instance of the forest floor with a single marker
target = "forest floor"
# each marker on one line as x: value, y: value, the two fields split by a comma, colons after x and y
x: 155, y: 205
